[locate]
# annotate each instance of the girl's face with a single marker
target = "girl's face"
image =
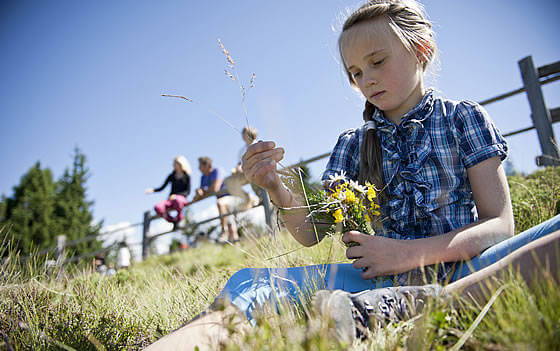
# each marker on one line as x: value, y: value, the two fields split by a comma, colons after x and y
x: 387, y: 74
x: 177, y: 167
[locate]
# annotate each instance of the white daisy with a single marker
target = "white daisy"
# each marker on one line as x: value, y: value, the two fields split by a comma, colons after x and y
x: 338, y: 177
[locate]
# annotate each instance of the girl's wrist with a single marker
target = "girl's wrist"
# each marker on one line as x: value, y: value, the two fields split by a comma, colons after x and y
x: 281, y: 196
x: 414, y: 254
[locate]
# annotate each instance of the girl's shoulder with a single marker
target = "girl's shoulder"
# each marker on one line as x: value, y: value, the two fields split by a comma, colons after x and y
x: 350, y: 133
x: 350, y: 136
x: 450, y: 108
x: 477, y: 136
x: 345, y: 156
x: 459, y: 114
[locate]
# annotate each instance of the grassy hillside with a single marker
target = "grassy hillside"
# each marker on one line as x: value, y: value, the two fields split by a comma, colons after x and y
x: 83, y: 310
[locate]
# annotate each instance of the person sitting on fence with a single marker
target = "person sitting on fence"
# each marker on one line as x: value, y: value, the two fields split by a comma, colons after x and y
x: 235, y: 182
x: 180, y: 179
x: 211, y: 183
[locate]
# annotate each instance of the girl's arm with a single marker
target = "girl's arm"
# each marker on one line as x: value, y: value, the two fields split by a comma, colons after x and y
x: 155, y: 190
x: 259, y: 166
x: 381, y: 256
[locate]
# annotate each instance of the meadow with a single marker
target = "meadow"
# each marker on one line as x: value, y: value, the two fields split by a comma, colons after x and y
x: 78, y: 309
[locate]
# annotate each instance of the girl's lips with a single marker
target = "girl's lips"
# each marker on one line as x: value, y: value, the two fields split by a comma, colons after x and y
x: 377, y: 95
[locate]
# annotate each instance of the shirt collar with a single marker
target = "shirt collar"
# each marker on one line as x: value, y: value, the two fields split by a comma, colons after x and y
x: 415, y: 116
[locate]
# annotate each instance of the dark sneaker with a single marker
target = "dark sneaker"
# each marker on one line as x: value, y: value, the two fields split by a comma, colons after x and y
x: 354, y: 314
x: 381, y: 306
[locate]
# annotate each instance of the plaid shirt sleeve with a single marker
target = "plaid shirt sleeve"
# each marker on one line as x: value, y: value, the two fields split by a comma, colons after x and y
x: 345, y: 156
x: 478, y: 138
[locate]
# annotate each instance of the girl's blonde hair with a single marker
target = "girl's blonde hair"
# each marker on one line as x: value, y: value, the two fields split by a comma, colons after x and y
x: 185, y: 165
x: 407, y: 20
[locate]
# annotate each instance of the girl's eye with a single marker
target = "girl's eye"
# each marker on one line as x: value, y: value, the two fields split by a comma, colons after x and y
x: 355, y: 74
x: 377, y: 63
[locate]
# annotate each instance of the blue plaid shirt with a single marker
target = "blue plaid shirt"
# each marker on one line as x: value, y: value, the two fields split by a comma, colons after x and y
x: 425, y: 161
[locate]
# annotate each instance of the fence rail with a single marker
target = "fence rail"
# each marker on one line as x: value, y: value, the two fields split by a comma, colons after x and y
x: 520, y: 90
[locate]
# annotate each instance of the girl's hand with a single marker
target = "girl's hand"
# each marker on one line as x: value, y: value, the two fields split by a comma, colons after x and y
x: 376, y: 255
x: 259, y: 164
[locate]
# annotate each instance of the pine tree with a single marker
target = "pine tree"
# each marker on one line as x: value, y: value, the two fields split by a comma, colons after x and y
x: 41, y: 209
x: 28, y: 215
x: 73, y: 210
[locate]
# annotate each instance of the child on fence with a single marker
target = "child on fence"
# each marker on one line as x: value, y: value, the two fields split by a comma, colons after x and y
x: 211, y: 183
x: 445, y: 202
x: 180, y: 179
x: 234, y: 183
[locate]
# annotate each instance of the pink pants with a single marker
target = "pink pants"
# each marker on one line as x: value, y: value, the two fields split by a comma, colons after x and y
x: 177, y: 204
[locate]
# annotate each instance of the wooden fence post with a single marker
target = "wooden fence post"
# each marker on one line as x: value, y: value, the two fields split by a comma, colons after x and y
x: 539, y: 113
x: 145, y: 231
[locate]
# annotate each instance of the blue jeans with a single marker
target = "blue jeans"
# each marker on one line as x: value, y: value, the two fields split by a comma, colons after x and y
x: 252, y: 287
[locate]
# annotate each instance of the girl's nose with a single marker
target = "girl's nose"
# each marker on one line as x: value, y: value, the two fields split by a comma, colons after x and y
x: 369, y: 78
x: 371, y: 81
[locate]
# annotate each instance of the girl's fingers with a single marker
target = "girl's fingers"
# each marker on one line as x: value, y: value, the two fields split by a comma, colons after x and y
x: 263, y: 167
x: 274, y: 154
x: 354, y: 236
x: 257, y: 168
x: 360, y: 263
x: 368, y: 273
x: 257, y: 148
x: 263, y: 174
x: 354, y: 252
x: 259, y: 163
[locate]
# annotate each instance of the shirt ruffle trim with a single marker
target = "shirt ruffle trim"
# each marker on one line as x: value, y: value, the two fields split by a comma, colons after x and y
x: 414, y: 185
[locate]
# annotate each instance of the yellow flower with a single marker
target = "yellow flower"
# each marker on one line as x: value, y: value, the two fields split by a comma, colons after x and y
x: 368, y: 219
x: 371, y: 194
x: 338, y: 216
x: 350, y: 196
x: 338, y: 193
x: 376, y: 213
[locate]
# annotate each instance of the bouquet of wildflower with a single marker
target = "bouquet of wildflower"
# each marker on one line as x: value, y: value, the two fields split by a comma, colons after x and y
x: 346, y: 202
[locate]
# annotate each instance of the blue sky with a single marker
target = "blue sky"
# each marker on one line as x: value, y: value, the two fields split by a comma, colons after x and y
x: 90, y: 74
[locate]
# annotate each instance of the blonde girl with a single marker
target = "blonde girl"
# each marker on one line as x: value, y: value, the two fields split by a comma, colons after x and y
x: 180, y: 179
x: 446, y: 208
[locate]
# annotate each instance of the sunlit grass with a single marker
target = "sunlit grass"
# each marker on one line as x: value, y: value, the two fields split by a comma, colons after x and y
x: 82, y: 310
